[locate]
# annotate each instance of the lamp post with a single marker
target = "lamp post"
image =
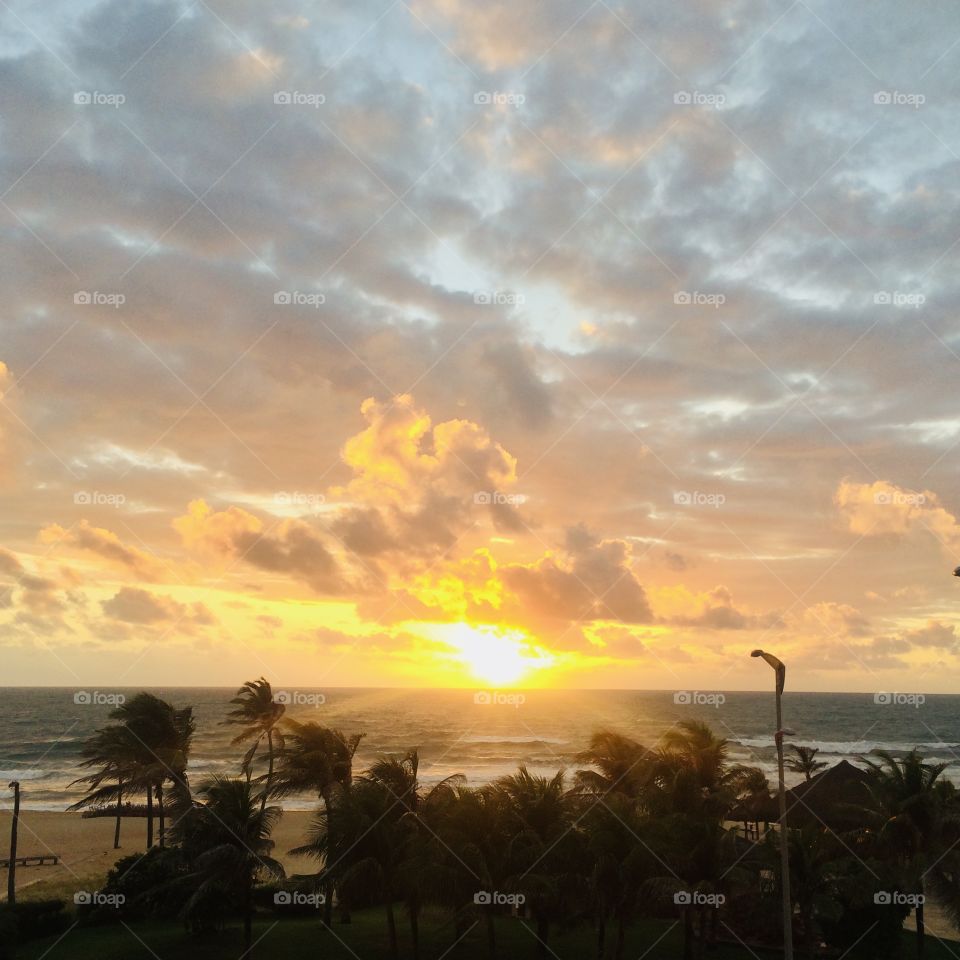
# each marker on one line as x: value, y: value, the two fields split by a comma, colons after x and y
x: 12, y: 868
x: 781, y: 672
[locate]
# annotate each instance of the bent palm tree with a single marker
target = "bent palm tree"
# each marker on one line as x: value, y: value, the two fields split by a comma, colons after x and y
x: 235, y: 833
x: 258, y: 714
x: 805, y: 761
x: 910, y: 806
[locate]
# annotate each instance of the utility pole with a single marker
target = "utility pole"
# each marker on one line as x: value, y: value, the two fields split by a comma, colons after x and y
x: 15, y: 823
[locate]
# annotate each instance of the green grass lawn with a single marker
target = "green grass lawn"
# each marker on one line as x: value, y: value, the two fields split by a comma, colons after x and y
x: 365, y: 939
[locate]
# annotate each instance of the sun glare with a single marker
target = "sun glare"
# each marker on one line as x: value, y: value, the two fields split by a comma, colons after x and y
x: 493, y: 654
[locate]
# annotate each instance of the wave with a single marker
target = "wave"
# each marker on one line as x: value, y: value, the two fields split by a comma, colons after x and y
x: 851, y: 747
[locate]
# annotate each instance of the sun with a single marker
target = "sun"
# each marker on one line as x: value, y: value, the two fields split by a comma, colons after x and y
x: 493, y: 654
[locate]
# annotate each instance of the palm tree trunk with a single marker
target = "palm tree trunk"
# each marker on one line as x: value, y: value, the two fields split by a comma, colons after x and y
x: 248, y: 919
x: 415, y: 929
x: 621, y: 936
x: 601, y: 935
x: 266, y: 786
x: 543, y: 935
x: 116, y: 832
x: 160, y: 811
x: 149, y: 816
x: 920, y: 928
x: 392, y: 929
x: 491, y: 935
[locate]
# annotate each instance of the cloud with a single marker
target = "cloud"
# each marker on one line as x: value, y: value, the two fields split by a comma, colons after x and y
x: 882, y: 508
x: 290, y: 547
x: 589, y: 579
x: 133, y: 605
x: 107, y: 545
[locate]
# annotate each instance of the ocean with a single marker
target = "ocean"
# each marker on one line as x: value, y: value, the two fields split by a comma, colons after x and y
x: 481, y: 735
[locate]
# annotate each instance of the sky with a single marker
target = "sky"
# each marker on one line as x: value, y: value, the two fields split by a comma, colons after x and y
x: 433, y: 343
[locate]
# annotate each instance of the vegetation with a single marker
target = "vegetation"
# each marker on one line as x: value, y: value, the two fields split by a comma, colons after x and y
x: 635, y: 846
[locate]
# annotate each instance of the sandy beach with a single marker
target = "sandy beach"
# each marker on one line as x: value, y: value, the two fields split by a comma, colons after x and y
x: 85, y: 847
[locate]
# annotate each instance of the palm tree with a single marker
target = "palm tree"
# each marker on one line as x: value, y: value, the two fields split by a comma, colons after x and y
x: 258, y: 714
x: 620, y: 846
x: 318, y: 760
x: 398, y: 775
x: 909, y: 808
x: 147, y: 747
x: 545, y: 853
x: 622, y: 765
x: 235, y: 832
x: 113, y: 751
x: 696, y: 788
x: 357, y: 836
x: 804, y: 762
x: 470, y: 852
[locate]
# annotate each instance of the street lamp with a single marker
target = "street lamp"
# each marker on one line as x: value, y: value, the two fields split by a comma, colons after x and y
x: 781, y: 672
